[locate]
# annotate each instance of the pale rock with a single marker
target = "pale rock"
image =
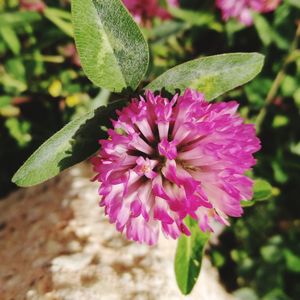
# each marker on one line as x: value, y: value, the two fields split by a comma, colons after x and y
x: 74, y: 246
x: 74, y: 262
x: 60, y: 246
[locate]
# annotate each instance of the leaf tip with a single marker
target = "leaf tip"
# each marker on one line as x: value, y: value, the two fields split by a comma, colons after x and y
x: 260, y: 57
x: 16, y: 179
x: 185, y: 292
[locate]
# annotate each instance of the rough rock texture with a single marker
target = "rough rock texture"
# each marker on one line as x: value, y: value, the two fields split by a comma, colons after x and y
x: 55, y: 243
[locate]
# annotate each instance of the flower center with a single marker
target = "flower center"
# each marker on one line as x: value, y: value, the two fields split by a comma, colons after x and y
x: 167, y: 149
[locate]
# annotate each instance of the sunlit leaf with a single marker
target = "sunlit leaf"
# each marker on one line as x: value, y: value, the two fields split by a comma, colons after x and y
x: 72, y: 144
x: 262, y: 190
x: 189, y: 256
x: 60, y: 19
x: 11, y: 39
x: 212, y: 75
x: 292, y: 260
x: 112, y: 49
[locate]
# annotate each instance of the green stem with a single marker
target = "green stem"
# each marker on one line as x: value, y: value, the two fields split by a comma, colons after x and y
x: 56, y: 59
x: 293, y: 54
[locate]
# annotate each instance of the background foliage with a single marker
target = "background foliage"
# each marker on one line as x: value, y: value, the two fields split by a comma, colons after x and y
x: 42, y: 87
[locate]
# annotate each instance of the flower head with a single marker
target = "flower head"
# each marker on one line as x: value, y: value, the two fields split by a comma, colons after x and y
x: 242, y: 9
x: 33, y: 5
x: 144, y: 11
x: 167, y: 159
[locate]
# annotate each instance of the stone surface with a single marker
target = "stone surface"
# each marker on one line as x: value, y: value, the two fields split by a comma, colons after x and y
x: 56, y: 244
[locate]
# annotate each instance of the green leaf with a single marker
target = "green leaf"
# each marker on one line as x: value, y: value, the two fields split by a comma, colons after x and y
x: 15, y: 67
x: 280, y: 174
x: 19, y: 130
x: 188, y: 257
x: 280, y: 121
x: 263, y: 28
x: 60, y: 13
x: 262, y: 190
x: 276, y: 294
x: 292, y: 261
x: 19, y: 18
x: 296, y: 3
x: 56, y: 17
x: 271, y: 253
x: 247, y: 203
x: 11, y: 84
x: 112, y: 49
x: 72, y: 144
x: 101, y: 99
x: 5, y: 100
x: 11, y: 39
x: 212, y: 75
x: 197, y: 18
x: 164, y: 30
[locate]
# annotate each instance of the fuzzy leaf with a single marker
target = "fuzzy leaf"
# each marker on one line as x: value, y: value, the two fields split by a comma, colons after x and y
x: 112, y: 49
x: 72, y: 144
x: 212, y: 75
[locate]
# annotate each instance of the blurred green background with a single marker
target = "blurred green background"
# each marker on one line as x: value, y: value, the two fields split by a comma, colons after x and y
x: 42, y: 87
